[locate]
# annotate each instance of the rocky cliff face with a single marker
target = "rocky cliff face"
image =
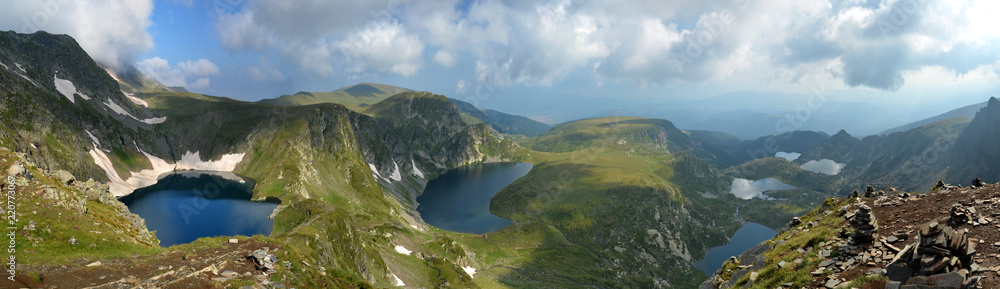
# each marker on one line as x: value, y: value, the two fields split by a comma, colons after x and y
x: 976, y: 152
x: 327, y: 164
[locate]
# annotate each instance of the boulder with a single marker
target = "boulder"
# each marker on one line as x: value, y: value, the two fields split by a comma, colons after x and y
x: 64, y: 177
x: 16, y: 170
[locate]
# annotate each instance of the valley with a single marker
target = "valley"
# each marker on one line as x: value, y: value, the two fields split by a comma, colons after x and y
x: 607, y: 202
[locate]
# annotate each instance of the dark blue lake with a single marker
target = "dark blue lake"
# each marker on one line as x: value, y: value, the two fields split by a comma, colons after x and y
x: 185, y: 206
x: 459, y: 200
x: 745, y: 238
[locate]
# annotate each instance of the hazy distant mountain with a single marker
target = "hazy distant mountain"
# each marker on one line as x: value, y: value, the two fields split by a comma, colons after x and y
x: 353, y: 97
x: 501, y: 122
x: 742, y: 151
x: 968, y: 111
x: 751, y: 114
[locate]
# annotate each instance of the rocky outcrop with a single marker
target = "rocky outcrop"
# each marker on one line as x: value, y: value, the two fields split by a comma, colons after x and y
x: 943, y: 257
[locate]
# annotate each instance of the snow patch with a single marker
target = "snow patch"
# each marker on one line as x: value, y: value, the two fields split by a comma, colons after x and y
x: 396, y: 175
x: 21, y: 74
x: 136, y: 100
x: 824, y: 166
x: 148, y: 177
x: 399, y: 282
x: 403, y: 250
x: 788, y: 156
x: 67, y: 89
x: 118, y: 109
x: 469, y: 270
x: 93, y: 138
x: 155, y: 120
x: 374, y: 171
x: 192, y: 161
x: 416, y: 170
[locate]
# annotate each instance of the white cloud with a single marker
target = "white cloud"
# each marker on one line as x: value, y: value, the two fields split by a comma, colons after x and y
x: 780, y: 43
x: 200, y: 84
x: 383, y: 47
x: 112, y: 32
x: 445, y: 58
x: 264, y: 74
x: 461, y: 87
x: 160, y: 69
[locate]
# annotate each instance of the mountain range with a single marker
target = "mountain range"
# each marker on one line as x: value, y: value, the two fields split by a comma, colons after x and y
x: 611, y: 202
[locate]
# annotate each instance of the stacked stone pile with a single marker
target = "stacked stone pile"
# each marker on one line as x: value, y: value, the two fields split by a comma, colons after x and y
x: 864, y: 225
x: 941, y: 258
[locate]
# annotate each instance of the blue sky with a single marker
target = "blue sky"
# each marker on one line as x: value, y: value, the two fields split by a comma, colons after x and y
x: 538, y: 58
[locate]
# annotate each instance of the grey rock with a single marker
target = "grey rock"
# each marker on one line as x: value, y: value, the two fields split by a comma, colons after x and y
x: 16, y: 170
x: 64, y: 177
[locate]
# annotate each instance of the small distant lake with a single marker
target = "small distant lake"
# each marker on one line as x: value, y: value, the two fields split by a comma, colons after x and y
x: 745, y: 238
x: 459, y: 199
x: 747, y: 189
x: 185, y: 206
x: 824, y: 166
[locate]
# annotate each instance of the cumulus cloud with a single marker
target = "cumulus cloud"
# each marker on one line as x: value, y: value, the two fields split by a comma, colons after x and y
x: 353, y: 37
x: 383, y: 47
x: 445, y: 58
x: 823, y: 166
x: 875, y: 44
x: 112, y: 32
x: 162, y: 71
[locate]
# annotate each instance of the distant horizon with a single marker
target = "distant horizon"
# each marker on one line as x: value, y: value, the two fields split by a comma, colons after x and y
x: 559, y: 61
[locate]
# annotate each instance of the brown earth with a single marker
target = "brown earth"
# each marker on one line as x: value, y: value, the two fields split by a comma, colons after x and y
x: 177, y: 269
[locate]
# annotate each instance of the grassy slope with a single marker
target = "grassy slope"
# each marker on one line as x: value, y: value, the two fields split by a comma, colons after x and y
x: 619, y: 208
x: 334, y: 211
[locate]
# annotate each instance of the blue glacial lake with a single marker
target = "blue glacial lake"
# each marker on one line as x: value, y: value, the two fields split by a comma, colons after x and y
x: 745, y: 238
x: 182, y: 207
x: 459, y: 200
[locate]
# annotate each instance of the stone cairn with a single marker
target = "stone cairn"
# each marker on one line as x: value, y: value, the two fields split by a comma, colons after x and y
x: 864, y: 225
x: 976, y: 183
x: 264, y: 260
x: 960, y: 215
x: 941, y: 258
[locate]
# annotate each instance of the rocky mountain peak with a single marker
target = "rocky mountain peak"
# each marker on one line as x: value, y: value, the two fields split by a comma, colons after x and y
x: 842, y: 134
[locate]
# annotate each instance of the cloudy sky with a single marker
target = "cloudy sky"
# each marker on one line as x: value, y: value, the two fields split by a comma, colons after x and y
x: 922, y: 53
